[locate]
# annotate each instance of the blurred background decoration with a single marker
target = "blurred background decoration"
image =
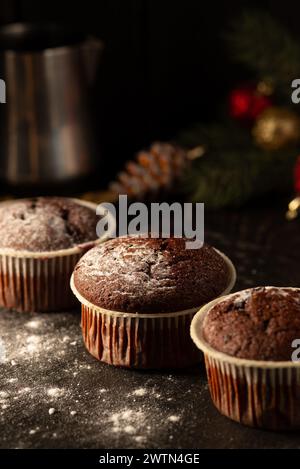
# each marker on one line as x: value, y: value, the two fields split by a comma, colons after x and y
x: 47, y: 136
x: 211, y: 89
x: 252, y: 149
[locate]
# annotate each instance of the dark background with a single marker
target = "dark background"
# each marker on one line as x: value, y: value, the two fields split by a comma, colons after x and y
x: 165, y: 64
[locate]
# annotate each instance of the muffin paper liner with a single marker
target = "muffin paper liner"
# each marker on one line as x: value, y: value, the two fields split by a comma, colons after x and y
x: 39, y: 281
x: 263, y: 394
x: 137, y: 340
x: 36, y: 284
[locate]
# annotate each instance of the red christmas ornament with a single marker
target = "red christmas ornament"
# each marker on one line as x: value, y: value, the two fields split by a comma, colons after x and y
x: 297, y: 176
x: 246, y: 103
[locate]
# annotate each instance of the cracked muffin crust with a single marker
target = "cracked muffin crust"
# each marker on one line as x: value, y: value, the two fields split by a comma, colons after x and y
x: 258, y: 324
x: 41, y: 240
x: 46, y: 224
x: 138, y: 275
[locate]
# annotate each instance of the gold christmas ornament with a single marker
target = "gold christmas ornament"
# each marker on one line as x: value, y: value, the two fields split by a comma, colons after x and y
x: 294, y: 208
x: 276, y: 128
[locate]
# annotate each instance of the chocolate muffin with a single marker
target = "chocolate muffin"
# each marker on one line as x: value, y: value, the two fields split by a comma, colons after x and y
x: 150, y: 275
x: 249, y: 339
x: 41, y: 239
x: 144, y: 292
x: 259, y: 324
x: 46, y: 224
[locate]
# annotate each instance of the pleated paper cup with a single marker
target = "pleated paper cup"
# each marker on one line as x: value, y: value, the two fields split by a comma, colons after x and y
x: 39, y: 281
x: 263, y: 394
x: 141, y: 341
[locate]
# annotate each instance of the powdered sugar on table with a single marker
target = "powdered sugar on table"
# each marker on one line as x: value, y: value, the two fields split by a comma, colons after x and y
x: 54, y: 394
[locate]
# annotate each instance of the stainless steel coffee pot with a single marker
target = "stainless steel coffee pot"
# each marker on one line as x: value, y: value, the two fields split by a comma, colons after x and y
x: 45, y: 123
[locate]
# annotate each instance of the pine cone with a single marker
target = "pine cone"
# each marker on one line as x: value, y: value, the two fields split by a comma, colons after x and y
x: 153, y: 171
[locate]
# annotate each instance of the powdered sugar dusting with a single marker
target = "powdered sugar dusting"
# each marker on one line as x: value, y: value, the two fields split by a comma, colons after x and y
x: 121, y: 262
x: 54, y: 393
x: 138, y: 423
x: 139, y: 392
x: 174, y: 418
x: 244, y: 295
x: 45, y: 224
x: 2, y: 352
x: 150, y: 275
x: 34, y: 324
x: 128, y: 421
x: 239, y: 297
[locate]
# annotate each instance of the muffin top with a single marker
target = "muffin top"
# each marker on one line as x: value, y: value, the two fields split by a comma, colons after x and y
x: 257, y: 324
x: 147, y: 275
x: 46, y: 224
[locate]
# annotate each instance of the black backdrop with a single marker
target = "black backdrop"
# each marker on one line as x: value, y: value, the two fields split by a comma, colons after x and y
x: 164, y: 66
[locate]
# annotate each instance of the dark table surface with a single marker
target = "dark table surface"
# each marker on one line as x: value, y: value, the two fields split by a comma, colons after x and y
x: 54, y: 394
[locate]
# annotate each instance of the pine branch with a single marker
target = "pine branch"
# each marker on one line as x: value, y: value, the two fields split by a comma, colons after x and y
x: 231, y: 179
x: 263, y: 45
x: 233, y: 170
x: 216, y: 136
